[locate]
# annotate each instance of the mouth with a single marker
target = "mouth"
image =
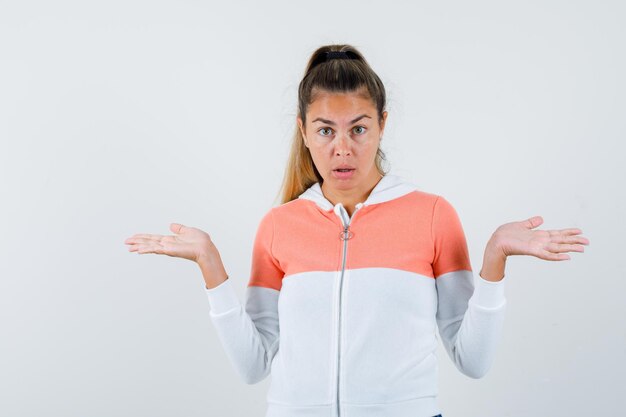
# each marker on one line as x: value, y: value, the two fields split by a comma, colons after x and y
x: 343, y: 173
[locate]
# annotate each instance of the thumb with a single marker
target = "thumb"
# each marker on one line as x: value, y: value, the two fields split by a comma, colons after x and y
x: 176, y: 228
x: 533, y: 222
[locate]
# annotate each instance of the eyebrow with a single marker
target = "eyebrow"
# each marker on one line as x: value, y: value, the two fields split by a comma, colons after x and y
x: 330, y: 122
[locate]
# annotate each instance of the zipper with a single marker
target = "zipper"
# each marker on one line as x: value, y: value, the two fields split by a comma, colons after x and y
x: 345, y: 235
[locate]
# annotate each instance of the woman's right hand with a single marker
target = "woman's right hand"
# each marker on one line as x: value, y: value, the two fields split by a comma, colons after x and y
x: 188, y: 243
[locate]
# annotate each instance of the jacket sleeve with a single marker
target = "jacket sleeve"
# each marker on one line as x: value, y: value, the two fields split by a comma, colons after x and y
x: 470, y: 315
x: 250, y: 336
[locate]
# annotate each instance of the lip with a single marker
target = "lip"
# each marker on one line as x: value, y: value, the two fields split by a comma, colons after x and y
x: 343, y: 166
x: 343, y: 175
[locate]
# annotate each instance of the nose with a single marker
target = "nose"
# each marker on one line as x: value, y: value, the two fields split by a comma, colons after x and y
x: 342, y: 147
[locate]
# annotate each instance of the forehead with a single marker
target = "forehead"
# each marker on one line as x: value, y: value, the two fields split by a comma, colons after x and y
x: 340, y: 106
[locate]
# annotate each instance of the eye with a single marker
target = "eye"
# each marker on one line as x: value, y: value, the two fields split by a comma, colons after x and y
x: 324, y: 128
x: 362, y: 127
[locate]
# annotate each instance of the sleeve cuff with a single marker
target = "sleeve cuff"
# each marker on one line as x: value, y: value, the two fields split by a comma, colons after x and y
x: 489, y: 294
x: 222, y: 298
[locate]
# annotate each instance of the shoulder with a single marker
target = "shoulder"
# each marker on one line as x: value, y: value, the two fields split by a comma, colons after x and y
x: 285, y: 212
x: 433, y: 206
x: 294, y: 207
x: 423, y: 201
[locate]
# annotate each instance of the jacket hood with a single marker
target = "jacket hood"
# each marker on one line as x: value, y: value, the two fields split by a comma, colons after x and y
x: 389, y: 187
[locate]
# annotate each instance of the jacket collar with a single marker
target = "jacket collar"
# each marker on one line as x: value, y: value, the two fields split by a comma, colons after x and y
x: 389, y: 187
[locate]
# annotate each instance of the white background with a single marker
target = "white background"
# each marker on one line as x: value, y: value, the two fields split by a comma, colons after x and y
x: 120, y: 117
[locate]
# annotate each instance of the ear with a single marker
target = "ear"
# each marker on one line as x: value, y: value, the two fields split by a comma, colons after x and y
x: 301, y: 127
x: 382, y: 124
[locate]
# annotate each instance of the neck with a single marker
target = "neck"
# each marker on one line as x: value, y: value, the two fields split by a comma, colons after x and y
x: 350, y: 198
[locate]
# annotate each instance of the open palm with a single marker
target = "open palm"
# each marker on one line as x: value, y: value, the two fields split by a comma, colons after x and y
x: 188, y: 243
x: 518, y: 238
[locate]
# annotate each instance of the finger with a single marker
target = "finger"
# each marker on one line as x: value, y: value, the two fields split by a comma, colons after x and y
x: 564, y: 247
x: 570, y: 231
x: 144, y: 249
x: 133, y: 238
x: 572, y: 239
x: 153, y: 248
x: 550, y: 256
x: 144, y: 238
x: 578, y: 239
x: 137, y: 248
x: 533, y: 222
x: 176, y: 228
x: 143, y: 235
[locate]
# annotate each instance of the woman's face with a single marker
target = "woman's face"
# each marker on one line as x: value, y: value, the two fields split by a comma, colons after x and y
x: 342, y: 129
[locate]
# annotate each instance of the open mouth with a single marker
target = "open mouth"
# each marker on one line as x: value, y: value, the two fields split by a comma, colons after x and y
x: 343, y: 173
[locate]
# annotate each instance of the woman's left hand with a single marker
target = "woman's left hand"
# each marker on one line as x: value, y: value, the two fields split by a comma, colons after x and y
x: 519, y: 238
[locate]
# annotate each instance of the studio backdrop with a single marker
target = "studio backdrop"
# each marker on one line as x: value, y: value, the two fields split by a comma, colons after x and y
x: 121, y: 117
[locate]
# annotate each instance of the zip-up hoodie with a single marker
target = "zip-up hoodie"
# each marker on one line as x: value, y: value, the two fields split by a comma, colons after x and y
x: 344, y: 310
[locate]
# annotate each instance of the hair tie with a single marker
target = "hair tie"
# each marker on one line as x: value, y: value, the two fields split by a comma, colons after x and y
x: 341, y: 55
x: 328, y: 55
x: 336, y: 55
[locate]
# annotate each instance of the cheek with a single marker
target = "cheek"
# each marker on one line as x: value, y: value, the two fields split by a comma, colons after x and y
x: 367, y: 146
x: 320, y: 155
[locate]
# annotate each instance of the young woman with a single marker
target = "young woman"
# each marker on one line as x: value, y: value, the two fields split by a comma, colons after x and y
x: 354, y: 273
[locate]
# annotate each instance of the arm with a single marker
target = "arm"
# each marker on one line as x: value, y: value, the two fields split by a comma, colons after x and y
x: 470, y: 312
x: 470, y: 319
x: 493, y: 263
x: 250, y: 335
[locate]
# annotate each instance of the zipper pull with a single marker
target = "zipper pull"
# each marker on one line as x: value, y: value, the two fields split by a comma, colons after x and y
x: 346, y: 233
